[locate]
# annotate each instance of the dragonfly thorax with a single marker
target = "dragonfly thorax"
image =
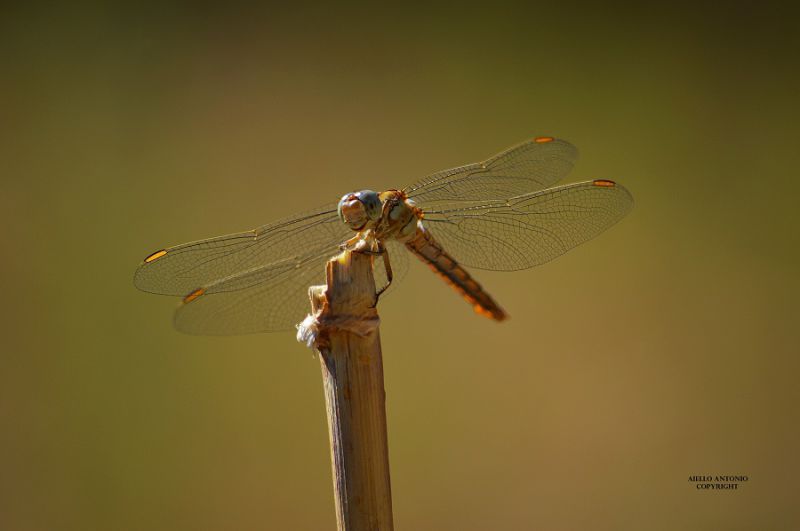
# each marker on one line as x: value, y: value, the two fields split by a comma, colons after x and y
x: 399, y: 216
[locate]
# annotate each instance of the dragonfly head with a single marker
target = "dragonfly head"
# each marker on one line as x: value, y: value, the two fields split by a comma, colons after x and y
x: 358, y: 209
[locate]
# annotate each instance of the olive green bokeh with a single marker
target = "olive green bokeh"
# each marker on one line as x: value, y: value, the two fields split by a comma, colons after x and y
x: 665, y: 348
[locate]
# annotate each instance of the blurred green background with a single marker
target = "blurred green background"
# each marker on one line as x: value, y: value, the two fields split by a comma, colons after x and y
x: 665, y: 348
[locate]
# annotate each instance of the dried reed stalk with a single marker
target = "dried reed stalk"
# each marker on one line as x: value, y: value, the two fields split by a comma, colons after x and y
x: 345, y: 333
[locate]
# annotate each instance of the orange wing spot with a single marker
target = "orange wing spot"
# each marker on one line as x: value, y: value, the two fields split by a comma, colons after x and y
x: 604, y: 183
x: 543, y: 139
x: 155, y: 256
x: 193, y: 295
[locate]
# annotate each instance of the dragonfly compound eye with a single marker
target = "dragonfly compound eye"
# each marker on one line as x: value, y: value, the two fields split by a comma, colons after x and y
x: 359, y: 208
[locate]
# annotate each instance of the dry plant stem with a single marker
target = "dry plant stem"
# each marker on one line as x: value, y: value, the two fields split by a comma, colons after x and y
x: 352, y: 374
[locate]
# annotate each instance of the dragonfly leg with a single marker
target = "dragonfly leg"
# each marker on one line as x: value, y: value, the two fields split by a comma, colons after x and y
x: 351, y: 244
x: 367, y: 244
x: 364, y: 243
x: 389, y: 275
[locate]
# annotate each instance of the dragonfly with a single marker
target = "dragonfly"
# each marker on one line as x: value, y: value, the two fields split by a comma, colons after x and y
x: 502, y: 214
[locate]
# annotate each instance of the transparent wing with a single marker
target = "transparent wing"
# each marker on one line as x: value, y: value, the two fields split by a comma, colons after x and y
x: 179, y: 270
x: 268, y: 298
x: 530, y: 229
x: 522, y: 169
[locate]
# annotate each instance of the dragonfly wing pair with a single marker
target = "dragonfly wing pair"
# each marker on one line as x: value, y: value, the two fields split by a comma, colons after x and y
x: 500, y: 215
x: 253, y: 281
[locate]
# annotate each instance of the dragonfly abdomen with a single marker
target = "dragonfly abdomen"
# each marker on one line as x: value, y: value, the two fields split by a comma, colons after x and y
x: 432, y: 253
